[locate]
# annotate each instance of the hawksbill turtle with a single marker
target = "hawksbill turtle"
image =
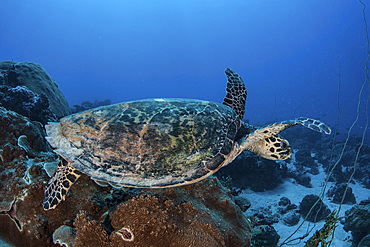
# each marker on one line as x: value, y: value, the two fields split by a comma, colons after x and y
x: 158, y: 143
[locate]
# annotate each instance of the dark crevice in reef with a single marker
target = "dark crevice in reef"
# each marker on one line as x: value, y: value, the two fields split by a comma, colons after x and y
x: 11, y: 213
x: 108, y: 225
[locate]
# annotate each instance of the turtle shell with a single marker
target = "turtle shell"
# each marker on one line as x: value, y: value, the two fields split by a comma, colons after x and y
x: 148, y: 143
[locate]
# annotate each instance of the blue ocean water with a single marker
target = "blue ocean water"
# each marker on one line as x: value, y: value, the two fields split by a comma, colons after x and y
x: 287, y: 52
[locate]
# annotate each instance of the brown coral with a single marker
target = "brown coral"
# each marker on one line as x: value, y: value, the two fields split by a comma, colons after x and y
x: 160, y: 222
x: 90, y: 232
x: 173, y: 217
x: 153, y: 222
x: 14, y: 125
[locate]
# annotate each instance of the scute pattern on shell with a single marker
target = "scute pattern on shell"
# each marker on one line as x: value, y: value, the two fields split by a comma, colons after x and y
x: 148, y: 143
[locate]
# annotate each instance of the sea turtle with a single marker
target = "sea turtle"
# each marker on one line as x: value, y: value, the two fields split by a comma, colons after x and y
x: 158, y: 143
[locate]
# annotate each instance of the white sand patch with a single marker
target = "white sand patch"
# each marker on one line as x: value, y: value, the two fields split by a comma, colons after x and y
x: 295, y: 193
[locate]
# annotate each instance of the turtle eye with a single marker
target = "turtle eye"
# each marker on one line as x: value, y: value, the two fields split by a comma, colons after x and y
x: 284, y: 144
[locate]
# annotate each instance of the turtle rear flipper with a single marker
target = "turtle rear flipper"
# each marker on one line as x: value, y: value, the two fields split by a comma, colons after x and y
x: 58, y: 186
x: 266, y: 143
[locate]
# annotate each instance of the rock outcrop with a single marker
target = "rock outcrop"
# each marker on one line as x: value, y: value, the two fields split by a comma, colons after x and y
x: 36, y: 79
x: 312, y: 211
x: 357, y: 220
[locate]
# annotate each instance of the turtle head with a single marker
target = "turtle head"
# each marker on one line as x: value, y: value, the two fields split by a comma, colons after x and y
x: 272, y: 148
x: 266, y: 142
x: 263, y: 142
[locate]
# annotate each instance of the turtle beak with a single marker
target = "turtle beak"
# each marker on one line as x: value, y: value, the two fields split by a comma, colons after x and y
x: 285, y: 154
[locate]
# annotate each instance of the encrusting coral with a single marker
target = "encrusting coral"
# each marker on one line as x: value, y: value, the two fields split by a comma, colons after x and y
x: 193, y: 215
x: 65, y: 236
x: 36, y: 79
x: 163, y: 223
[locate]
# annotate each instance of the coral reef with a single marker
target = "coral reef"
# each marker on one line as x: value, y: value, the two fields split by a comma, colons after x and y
x: 193, y: 215
x: 24, y: 157
x: 363, y: 169
x: 185, y: 216
x: 337, y: 192
x: 300, y: 176
x: 25, y: 102
x: 65, y: 236
x: 284, y: 207
x: 365, y: 241
x: 23, y: 154
x: 13, y: 126
x: 263, y: 216
x: 265, y: 235
x: 313, y: 213
x: 243, y: 203
x: 284, y: 202
x: 357, y: 220
x: 324, y: 153
x: 22, y: 176
x: 89, y: 105
x: 253, y: 172
x: 291, y: 218
x: 305, y: 162
x: 36, y: 79
x: 201, y: 214
x: 13, y: 161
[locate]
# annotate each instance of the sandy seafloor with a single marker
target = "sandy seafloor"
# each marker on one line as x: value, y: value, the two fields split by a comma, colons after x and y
x: 295, y: 193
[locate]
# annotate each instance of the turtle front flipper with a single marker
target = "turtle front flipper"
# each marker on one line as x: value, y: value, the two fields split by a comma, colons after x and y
x: 313, y: 124
x: 266, y: 143
x: 236, y: 93
x: 56, y: 189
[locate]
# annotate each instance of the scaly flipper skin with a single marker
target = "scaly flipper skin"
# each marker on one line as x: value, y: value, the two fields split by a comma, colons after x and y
x: 266, y: 143
x: 313, y: 124
x: 58, y: 186
x: 236, y: 93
